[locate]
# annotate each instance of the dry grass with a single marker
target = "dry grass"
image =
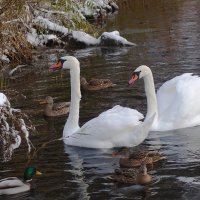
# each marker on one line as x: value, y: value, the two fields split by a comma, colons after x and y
x: 13, y: 30
x: 16, y: 20
x: 14, y: 43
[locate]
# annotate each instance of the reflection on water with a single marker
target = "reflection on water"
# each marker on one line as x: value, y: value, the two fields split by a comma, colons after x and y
x: 167, y: 36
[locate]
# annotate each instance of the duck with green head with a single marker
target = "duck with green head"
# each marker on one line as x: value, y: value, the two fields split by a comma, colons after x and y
x: 13, y: 185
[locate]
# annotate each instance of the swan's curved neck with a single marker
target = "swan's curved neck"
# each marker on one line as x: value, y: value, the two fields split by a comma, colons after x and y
x: 151, y: 96
x: 72, y: 124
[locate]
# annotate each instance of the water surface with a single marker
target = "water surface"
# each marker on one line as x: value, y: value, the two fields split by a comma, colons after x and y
x: 167, y: 35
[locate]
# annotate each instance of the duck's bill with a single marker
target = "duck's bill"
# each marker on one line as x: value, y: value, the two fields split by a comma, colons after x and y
x: 133, y: 79
x: 38, y: 173
x: 56, y: 66
x: 43, y: 102
x: 115, y: 154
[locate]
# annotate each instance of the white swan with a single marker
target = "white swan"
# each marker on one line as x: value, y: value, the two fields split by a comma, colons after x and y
x: 116, y: 127
x: 177, y: 102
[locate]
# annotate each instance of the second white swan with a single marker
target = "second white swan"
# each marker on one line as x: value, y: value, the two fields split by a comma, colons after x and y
x: 116, y: 127
x: 177, y: 101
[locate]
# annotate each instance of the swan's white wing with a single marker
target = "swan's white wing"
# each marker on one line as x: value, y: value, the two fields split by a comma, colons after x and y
x: 137, y: 136
x: 109, y: 129
x: 113, y: 121
x: 178, y: 102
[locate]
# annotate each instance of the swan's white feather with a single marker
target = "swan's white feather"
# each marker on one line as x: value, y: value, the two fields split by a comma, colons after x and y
x: 113, y: 121
x: 178, y: 103
x: 100, y: 133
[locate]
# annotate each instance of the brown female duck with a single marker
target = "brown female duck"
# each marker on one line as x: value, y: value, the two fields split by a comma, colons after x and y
x: 95, y: 84
x: 132, y: 175
x: 55, y: 109
x: 129, y: 159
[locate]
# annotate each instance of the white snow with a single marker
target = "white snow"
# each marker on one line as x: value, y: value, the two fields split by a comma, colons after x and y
x: 38, y: 40
x: 84, y: 37
x: 81, y: 36
x: 3, y: 100
x: 47, y: 24
x: 90, y: 40
x: 116, y: 36
x: 4, y: 58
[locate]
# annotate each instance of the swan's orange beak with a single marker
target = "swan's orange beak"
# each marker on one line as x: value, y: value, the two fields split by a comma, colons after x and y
x: 56, y: 66
x: 133, y: 79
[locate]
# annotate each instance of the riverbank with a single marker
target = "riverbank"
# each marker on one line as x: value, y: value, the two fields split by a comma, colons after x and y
x: 33, y: 24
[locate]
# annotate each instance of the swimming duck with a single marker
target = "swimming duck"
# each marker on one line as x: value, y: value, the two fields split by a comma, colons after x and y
x: 55, y: 109
x: 133, y: 159
x: 13, y: 185
x: 95, y: 84
x: 132, y: 176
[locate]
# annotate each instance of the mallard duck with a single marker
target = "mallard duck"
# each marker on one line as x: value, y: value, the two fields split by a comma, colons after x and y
x: 13, y: 185
x: 95, y: 84
x: 132, y: 175
x: 55, y: 109
x: 133, y: 159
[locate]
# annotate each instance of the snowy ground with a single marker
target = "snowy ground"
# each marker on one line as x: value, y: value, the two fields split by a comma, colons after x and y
x: 43, y: 18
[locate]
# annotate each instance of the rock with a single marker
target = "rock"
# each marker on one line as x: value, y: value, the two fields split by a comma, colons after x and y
x: 114, y: 39
x: 81, y: 39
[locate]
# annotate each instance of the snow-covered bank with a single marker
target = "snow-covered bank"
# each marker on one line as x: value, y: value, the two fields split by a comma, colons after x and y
x: 75, y: 38
x: 45, y: 23
x: 12, y: 128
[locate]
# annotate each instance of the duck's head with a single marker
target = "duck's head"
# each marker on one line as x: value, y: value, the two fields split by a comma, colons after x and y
x: 83, y: 80
x: 66, y: 62
x: 143, y: 177
x: 49, y: 100
x: 30, y: 172
x: 139, y: 73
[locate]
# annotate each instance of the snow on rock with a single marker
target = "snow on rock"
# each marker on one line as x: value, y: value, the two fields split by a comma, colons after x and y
x: 45, y: 23
x: 114, y: 39
x: 114, y: 6
x: 4, y: 58
x: 39, y: 40
x: 12, y: 128
x: 83, y: 38
x: 76, y: 38
x: 91, y: 9
x: 4, y: 100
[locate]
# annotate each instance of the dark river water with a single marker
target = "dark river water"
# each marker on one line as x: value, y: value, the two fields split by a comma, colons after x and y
x: 167, y: 34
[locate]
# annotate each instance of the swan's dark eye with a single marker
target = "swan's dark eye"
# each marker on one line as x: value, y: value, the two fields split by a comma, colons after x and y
x: 136, y: 73
x: 61, y: 60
